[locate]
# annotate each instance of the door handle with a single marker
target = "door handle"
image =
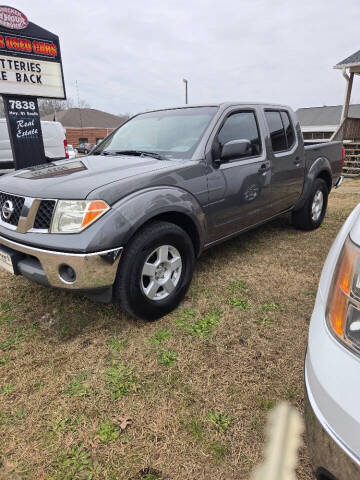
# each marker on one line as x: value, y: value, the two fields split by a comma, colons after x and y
x: 297, y: 162
x: 264, y: 168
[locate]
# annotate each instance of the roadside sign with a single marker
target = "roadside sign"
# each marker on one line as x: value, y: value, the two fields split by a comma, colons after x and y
x: 30, y: 59
x: 23, y: 120
x: 30, y: 67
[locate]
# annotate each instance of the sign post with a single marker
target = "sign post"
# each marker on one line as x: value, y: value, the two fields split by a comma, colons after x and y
x: 30, y: 67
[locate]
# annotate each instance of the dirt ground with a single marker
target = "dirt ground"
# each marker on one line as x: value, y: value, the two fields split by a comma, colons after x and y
x: 197, y: 384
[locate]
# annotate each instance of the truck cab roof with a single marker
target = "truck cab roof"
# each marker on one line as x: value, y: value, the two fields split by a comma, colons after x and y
x: 222, y: 105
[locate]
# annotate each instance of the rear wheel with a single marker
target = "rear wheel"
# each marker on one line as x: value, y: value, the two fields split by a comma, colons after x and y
x: 156, y: 271
x: 313, y: 212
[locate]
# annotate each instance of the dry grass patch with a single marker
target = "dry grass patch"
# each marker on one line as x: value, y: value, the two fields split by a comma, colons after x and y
x: 197, y: 384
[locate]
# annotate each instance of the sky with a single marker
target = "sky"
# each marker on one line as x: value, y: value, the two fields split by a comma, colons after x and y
x: 131, y: 56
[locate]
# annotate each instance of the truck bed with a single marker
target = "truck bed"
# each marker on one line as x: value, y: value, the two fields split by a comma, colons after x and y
x: 332, y: 151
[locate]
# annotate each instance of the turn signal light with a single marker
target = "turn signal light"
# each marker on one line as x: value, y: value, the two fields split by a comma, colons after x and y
x: 341, y: 290
x: 94, y: 210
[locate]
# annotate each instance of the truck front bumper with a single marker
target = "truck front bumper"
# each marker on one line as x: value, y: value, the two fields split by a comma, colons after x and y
x: 330, y: 457
x: 72, y: 271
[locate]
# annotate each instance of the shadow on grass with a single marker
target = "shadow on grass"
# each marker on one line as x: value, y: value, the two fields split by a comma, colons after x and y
x: 62, y: 314
x: 68, y: 315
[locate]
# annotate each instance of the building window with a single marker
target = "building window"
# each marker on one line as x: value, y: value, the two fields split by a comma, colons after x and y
x: 83, y: 140
x: 317, y: 135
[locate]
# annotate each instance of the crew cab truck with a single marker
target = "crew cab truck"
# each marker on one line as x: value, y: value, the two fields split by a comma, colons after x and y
x: 127, y: 222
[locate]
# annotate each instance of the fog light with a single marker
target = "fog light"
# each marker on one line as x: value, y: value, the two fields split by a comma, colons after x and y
x: 67, y: 274
x: 352, y: 331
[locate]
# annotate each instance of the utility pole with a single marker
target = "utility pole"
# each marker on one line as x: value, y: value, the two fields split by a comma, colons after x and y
x: 186, y: 90
x: 78, y: 98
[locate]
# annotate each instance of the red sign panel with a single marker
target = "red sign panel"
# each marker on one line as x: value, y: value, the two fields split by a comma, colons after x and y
x: 12, y: 18
x: 27, y: 45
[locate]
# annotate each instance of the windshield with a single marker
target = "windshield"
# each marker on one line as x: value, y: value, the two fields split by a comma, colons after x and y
x: 170, y: 133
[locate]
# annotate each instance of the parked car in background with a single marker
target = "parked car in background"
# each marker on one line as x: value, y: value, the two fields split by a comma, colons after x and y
x: 332, y: 365
x: 85, y: 148
x: 71, y: 152
x: 54, y: 143
x: 128, y: 221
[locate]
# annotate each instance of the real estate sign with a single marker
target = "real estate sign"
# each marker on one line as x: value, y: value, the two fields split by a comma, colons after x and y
x: 30, y: 67
x: 24, y: 128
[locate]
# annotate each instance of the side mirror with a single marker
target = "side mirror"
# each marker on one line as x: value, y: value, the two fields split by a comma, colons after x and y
x: 235, y: 149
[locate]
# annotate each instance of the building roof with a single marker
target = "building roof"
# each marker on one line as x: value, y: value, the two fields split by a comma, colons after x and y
x: 351, y: 61
x: 327, y: 115
x: 85, y: 118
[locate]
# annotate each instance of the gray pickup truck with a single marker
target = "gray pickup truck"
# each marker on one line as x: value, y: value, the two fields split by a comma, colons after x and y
x: 127, y: 222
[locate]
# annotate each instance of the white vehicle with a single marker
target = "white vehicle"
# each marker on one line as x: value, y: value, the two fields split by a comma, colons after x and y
x: 332, y: 365
x: 54, y: 143
x: 71, y: 152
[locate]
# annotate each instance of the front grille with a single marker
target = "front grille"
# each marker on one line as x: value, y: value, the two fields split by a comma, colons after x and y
x: 44, y: 214
x: 17, y: 203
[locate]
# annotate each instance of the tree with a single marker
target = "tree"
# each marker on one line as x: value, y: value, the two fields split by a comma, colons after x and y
x: 47, y: 106
x: 125, y: 115
x: 83, y: 104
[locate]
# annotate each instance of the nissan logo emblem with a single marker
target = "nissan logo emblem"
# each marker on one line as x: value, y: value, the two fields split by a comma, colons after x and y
x: 7, y: 209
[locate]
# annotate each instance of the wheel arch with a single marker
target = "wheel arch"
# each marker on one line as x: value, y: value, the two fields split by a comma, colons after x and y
x: 327, y: 177
x: 170, y: 204
x: 177, y: 218
x: 320, y: 168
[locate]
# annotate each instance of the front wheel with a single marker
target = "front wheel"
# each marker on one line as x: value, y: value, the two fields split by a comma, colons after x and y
x: 156, y: 271
x: 313, y: 212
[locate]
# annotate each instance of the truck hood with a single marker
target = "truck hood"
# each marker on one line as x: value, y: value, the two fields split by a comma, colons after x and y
x: 75, y: 179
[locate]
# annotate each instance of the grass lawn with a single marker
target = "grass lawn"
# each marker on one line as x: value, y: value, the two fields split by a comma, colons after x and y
x: 88, y: 393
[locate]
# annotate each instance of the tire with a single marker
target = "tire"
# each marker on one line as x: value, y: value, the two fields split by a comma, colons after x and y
x: 137, y: 292
x: 313, y: 212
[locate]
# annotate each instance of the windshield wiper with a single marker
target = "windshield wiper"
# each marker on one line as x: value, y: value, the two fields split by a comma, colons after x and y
x: 103, y: 152
x: 140, y: 153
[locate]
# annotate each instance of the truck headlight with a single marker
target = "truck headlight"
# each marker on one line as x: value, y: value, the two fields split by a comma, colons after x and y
x: 72, y: 216
x: 343, y: 306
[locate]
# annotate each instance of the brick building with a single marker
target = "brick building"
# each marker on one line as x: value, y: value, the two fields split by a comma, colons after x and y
x: 85, y: 125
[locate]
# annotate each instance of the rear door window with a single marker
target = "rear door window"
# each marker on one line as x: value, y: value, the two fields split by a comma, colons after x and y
x: 289, y: 131
x: 277, y: 132
x: 281, y: 130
